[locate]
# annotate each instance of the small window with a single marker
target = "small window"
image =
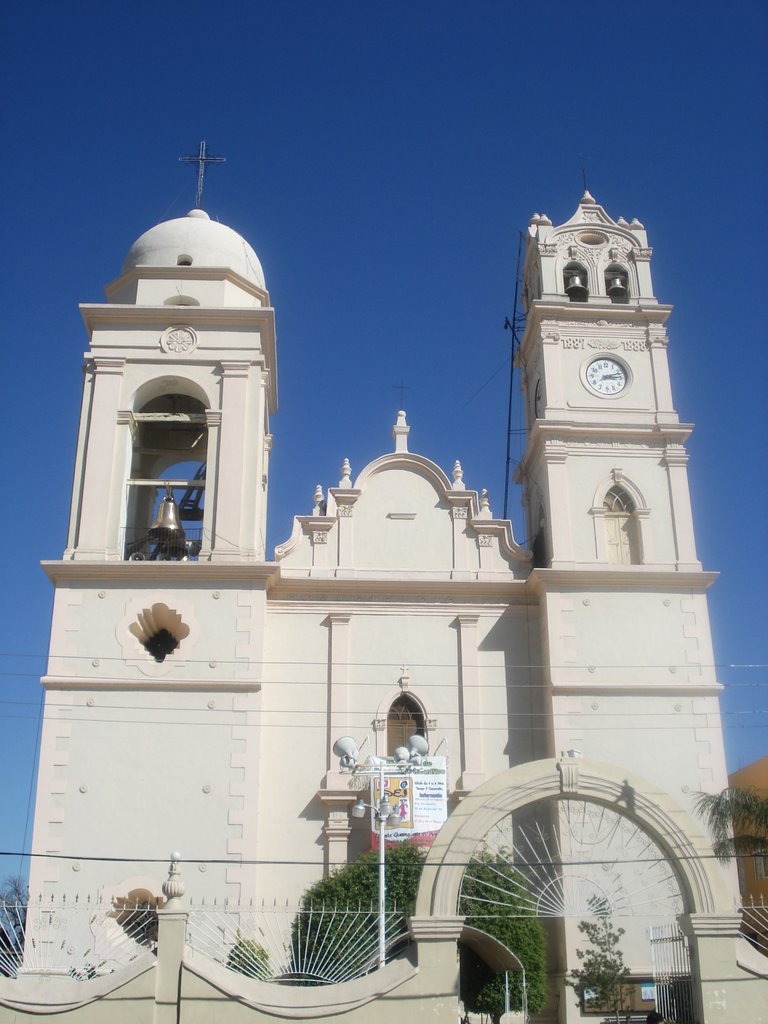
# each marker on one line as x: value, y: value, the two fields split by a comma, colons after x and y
x: 183, y: 260
x: 617, y: 284
x: 576, y: 282
x: 405, y: 719
x: 620, y: 528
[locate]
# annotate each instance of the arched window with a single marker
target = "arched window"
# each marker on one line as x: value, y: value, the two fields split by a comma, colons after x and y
x: 576, y: 282
x: 620, y: 528
x: 405, y: 719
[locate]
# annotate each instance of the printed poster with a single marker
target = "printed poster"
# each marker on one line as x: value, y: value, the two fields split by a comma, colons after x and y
x: 420, y: 800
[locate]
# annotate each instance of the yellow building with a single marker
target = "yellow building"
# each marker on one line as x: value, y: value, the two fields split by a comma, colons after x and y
x: 753, y: 871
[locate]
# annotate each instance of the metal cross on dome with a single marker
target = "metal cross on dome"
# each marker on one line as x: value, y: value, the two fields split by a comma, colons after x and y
x: 201, y: 160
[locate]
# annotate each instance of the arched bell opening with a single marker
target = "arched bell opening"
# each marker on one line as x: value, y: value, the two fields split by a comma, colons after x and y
x: 166, y: 487
x: 576, y: 282
x: 617, y: 283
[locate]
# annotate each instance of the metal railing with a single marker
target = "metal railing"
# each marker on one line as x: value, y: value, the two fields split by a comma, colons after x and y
x: 672, y: 976
x: 754, y: 924
x: 317, y: 945
x: 75, y: 938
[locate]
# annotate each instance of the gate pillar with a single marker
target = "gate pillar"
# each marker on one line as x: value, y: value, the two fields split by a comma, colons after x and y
x: 713, y: 940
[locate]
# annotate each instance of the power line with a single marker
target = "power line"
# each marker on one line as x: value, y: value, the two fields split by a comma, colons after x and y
x: 256, y: 862
x: 525, y: 727
x: 291, y: 711
x: 396, y: 662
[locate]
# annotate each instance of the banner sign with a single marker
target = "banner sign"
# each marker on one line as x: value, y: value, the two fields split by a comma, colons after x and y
x: 420, y: 799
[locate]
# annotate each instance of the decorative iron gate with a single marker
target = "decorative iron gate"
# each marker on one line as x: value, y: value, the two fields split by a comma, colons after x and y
x: 671, y: 959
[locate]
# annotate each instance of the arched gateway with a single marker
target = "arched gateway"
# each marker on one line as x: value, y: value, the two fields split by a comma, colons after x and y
x: 708, y: 917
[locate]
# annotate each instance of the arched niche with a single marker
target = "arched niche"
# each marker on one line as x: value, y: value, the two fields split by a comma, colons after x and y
x: 621, y: 522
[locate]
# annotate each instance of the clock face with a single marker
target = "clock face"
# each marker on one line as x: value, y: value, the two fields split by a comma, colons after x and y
x: 606, y: 376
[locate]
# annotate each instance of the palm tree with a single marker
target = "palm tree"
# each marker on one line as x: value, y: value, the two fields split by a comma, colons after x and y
x: 737, y: 820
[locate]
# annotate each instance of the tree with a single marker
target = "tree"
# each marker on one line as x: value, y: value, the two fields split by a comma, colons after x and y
x: 737, y: 820
x: 14, y: 897
x: 493, y: 898
x: 602, y: 980
x: 249, y: 957
x: 333, y: 937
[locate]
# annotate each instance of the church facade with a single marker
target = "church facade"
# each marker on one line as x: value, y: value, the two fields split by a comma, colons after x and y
x: 196, y: 687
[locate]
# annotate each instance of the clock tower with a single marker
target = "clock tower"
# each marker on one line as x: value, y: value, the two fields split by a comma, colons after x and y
x: 625, y: 627
x: 628, y: 665
x: 605, y: 467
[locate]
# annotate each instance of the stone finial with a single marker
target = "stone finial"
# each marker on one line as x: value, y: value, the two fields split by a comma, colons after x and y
x: 173, y: 886
x: 544, y: 219
x: 400, y: 432
x: 635, y: 223
x: 318, y: 502
x: 587, y: 199
x: 622, y: 221
x: 346, y: 473
x: 485, y: 505
x: 458, y: 477
x: 535, y: 218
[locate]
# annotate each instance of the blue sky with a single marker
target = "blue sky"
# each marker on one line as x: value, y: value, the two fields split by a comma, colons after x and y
x: 381, y: 159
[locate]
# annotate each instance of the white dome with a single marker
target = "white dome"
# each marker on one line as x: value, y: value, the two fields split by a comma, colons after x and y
x: 198, y: 241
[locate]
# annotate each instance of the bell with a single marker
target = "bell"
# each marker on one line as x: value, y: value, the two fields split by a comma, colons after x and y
x: 167, y: 518
x: 617, y: 289
x: 576, y: 289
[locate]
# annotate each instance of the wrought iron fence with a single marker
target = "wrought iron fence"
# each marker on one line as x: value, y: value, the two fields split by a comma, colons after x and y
x: 754, y: 924
x: 76, y: 938
x: 300, y: 946
x: 672, y: 977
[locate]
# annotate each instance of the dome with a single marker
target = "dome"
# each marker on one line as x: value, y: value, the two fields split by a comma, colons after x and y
x: 197, y: 241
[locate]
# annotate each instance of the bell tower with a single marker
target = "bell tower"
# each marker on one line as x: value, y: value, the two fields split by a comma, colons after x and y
x: 173, y: 450
x: 605, y: 467
x: 625, y: 626
x: 628, y: 666
x: 157, y: 635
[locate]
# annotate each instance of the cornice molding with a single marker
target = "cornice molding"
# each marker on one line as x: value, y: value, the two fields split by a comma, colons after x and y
x: 506, y: 589
x: 96, y: 314
x: 52, y: 682
x: 574, y: 438
x: 145, y: 273
x: 630, y: 577
x: 162, y: 573
x: 593, y: 688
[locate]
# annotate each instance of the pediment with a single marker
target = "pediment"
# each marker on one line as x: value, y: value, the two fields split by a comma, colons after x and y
x: 402, y: 517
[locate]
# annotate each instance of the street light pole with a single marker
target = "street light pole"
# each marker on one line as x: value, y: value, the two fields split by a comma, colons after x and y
x: 404, y: 760
x: 382, y: 873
